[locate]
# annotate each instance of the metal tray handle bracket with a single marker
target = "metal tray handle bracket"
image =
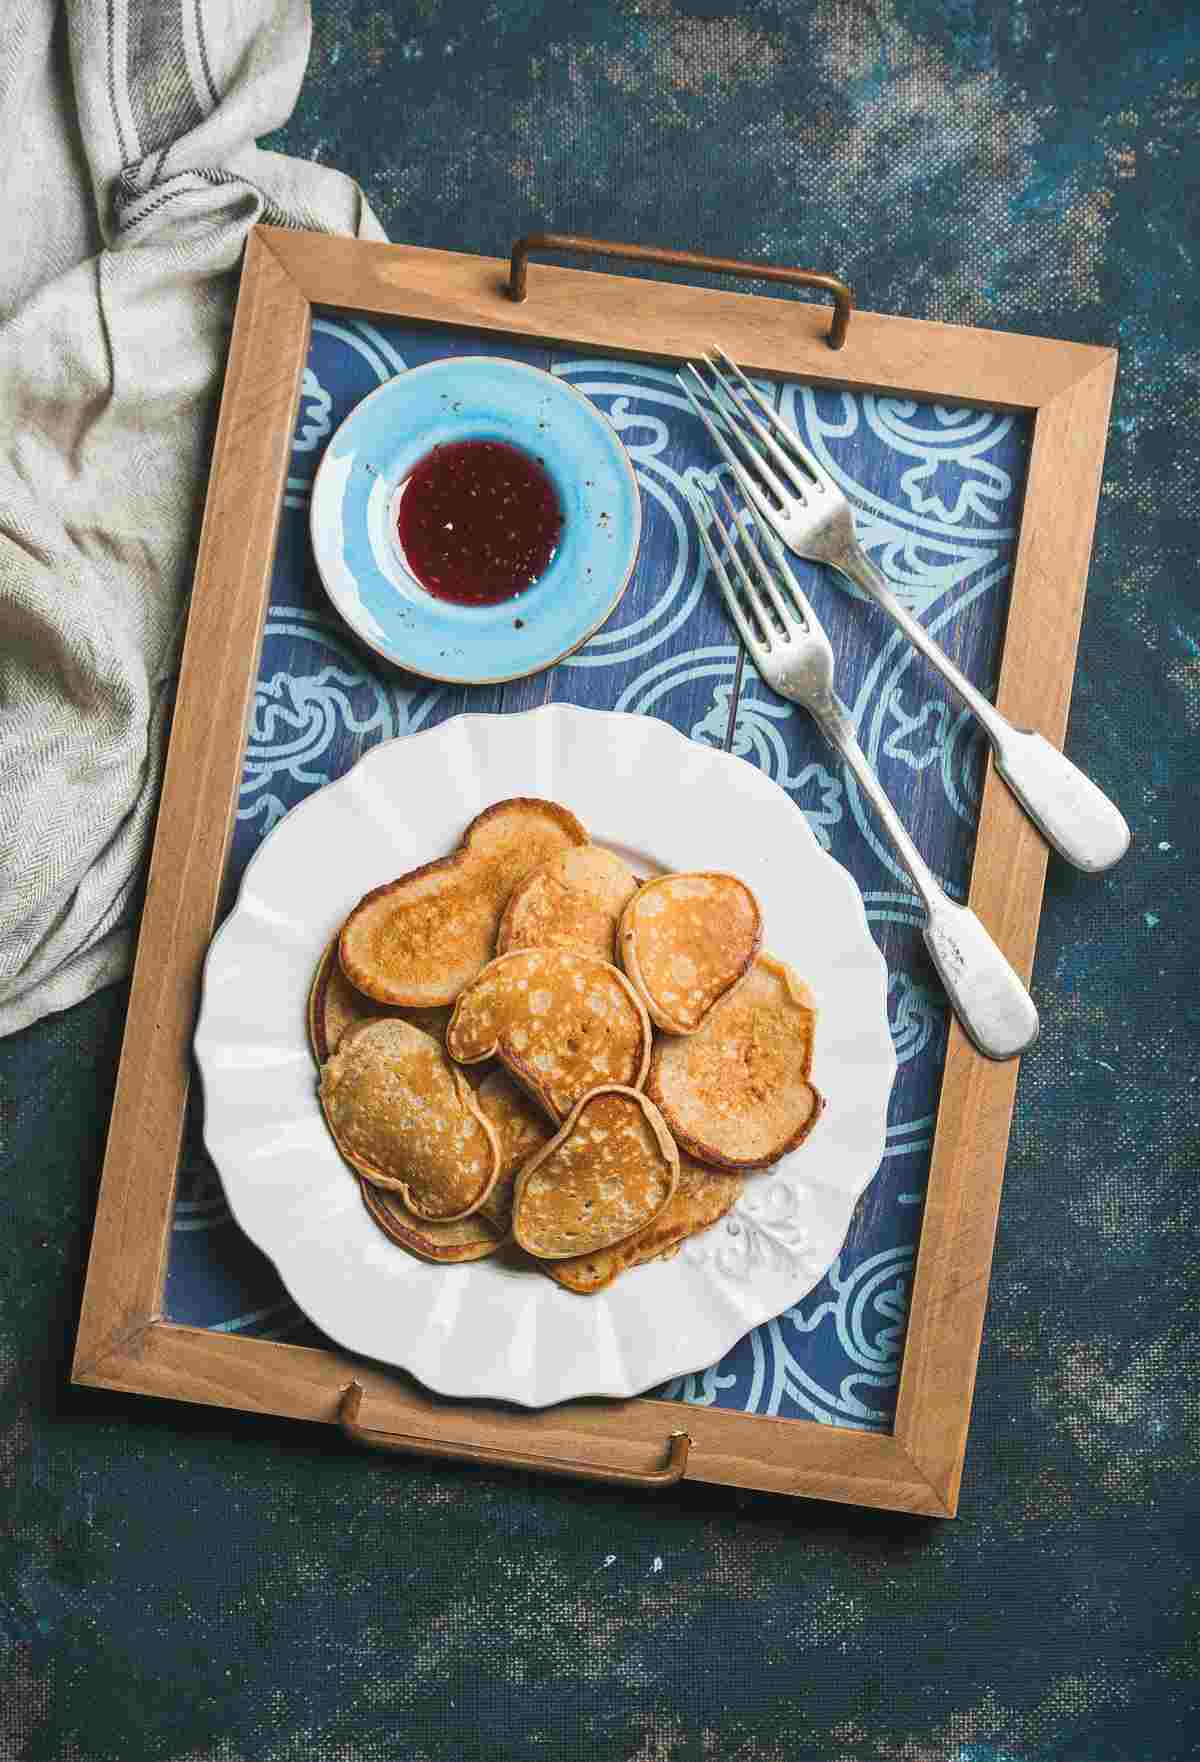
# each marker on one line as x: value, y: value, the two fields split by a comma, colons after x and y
x: 678, y: 1446
x: 843, y: 299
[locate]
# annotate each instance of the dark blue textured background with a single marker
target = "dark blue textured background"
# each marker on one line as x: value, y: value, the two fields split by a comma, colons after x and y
x: 186, y: 1584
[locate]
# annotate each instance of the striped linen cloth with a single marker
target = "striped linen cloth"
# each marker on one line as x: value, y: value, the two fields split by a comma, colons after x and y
x: 128, y: 183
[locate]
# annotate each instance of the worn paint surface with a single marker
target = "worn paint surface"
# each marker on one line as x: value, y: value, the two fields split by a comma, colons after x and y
x: 178, y: 1583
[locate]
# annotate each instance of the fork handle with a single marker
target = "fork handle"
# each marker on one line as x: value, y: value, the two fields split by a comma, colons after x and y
x: 986, y: 994
x: 1068, y: 809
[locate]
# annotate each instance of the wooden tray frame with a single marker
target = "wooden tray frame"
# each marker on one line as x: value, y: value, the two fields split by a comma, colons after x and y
x: 124, y: 1340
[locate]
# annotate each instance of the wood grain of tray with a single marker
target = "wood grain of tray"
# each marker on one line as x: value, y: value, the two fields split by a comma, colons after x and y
x: 124, y: 1341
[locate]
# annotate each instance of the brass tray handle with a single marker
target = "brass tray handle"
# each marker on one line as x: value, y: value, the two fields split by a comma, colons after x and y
x: 668, y: 1475
x: 843, y: 299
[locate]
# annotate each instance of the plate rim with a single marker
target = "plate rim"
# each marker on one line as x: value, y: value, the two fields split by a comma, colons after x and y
x: 620, y: 453
x: 431, y: 1380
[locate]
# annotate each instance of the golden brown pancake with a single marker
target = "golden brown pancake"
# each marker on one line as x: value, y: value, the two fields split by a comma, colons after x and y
x: 334, y: 1005
x: 574, y: 900
x: 521, y: 1129
x: 405, y: 1117
x: 468, y: 1238
x: 736, y: 1093
x: 686, y: 941
x: 418, y: 940
x: 702, y: 1197
x: 609, y: 1171
x: 563, y: 1023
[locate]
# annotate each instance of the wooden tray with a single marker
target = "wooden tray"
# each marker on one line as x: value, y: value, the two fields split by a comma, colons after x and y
x: 125, y: 1341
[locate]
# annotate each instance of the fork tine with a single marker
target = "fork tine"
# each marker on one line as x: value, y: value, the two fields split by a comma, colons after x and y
x: 779, y: 490
x: 801, y: 481
x: 811, y: 462
x: 742, y: 478
x: 757, y: 644
x: 766, y: 582
x: 770, y: 539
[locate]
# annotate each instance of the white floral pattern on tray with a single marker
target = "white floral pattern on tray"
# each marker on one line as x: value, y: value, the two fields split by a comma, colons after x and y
x: 940, y: 492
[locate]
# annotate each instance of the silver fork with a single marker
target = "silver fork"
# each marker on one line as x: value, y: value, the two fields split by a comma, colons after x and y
x: 793, y: 655
x: 798, y: 498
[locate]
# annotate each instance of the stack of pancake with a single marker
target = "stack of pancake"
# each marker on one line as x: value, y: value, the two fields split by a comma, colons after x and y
x: 522, y: 1045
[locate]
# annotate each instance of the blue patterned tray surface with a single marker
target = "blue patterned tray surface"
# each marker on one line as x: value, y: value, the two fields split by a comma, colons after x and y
x: 939, y: 494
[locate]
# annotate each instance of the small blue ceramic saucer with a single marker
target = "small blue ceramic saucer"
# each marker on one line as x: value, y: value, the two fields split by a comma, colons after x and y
x: 356, y: 492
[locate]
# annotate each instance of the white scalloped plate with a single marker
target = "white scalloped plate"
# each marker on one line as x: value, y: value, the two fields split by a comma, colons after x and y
x: 490, y: 1330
